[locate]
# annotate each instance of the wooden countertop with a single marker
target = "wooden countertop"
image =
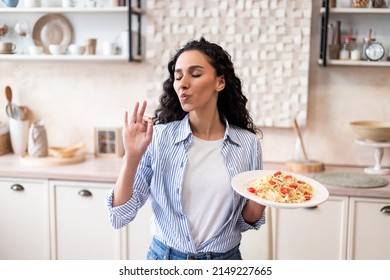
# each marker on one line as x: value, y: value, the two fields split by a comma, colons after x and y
x: 107, y: 169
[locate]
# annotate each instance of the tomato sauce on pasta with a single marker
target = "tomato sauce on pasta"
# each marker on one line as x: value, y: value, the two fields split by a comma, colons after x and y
x: 281, y: 187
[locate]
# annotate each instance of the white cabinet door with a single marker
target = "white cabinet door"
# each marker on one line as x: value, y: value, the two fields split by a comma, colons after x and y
x: 81, y: 226
x: 24, y: 219
x: 257, y: 244
x: 369, y: 233
x: 311, y: 233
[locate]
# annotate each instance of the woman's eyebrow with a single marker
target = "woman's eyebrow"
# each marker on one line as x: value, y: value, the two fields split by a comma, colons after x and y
x: 191, y: 68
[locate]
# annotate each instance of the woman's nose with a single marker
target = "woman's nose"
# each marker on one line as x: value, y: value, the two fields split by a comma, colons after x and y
x: 184, y: 82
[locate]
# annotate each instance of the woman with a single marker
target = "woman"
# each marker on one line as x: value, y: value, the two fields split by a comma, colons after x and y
x: 183, y: 160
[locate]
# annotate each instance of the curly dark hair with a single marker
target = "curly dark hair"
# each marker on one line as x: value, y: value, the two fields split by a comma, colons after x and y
x: 231, y: 101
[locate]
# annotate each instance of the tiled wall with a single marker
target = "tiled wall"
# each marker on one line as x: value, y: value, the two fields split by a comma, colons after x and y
x: 269, y: 41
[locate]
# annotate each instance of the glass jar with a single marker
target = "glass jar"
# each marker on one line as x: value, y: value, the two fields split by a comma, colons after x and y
x: 378, y: 4
x: 359, y: 3
x: 349, y: 49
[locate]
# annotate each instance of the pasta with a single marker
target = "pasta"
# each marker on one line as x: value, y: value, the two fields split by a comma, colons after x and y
x: 281, y: 187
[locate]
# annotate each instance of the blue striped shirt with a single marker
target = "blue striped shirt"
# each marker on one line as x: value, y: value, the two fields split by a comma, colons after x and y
x: 159, y: 178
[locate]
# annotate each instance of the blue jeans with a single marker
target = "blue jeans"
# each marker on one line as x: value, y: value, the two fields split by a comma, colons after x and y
x: 159, y: 251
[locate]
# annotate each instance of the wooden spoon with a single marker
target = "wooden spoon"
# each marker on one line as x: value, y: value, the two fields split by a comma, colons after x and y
x: 8, y: 93
x: 10, y: 107
x: 300, y: 139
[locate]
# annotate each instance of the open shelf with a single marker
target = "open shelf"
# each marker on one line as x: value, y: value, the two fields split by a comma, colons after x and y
x: 357, y: 10
x: 65, y: 57
x: 65, y: 10
x: 347, y: 12
x: 338, y: 62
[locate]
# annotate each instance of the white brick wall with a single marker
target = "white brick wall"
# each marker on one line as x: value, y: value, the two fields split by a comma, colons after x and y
x: 267, y: 39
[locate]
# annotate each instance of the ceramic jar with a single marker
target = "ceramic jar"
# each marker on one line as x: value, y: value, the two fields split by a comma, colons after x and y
x: 37, y: 140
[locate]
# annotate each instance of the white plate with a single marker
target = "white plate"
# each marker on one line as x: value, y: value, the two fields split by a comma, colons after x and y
x: 241, y: 181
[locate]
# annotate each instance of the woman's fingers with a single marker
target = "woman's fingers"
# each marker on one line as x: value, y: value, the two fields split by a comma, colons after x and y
x: 149, y: 130
x: 138, y: 112
x: 135, y: 111
x: 140, y: 115
x: 125, y: 119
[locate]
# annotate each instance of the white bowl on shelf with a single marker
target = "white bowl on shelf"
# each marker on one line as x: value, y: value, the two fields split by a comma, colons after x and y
x: 35, y: 50
x: 76, y: 49
x: 57, y: 49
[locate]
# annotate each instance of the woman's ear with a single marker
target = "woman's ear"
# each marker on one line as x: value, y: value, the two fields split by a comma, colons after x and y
x: 221, y: 83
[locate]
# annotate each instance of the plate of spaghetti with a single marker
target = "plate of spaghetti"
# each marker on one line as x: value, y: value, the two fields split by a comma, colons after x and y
x: 280, y: 189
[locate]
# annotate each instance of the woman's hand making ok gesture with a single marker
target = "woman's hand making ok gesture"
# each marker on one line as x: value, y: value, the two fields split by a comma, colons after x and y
x: 137, y: 133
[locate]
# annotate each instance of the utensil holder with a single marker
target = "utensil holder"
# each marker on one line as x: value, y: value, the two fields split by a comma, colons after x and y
x: 18, y: 130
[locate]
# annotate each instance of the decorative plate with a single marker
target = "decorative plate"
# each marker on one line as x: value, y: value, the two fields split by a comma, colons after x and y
x: 52, y: 29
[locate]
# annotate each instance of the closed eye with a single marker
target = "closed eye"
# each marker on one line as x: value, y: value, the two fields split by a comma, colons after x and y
x: 195, y: 71
x: 178, y: 78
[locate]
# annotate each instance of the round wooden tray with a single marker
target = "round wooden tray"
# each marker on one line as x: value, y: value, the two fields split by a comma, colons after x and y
x: 51, y: 161
x: 305, y: 166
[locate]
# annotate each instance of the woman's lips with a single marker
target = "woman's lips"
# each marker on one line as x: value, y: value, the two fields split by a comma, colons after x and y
x: 184, y: 96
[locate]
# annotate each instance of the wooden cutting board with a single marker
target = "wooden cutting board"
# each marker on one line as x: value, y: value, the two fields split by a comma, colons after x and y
x: 305, y: 166
x: 51, y: 161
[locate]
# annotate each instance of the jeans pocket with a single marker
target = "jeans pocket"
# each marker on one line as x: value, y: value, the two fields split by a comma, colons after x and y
x: 152, y: 255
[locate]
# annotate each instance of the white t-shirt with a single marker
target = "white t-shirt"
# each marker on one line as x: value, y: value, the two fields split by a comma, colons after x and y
x: 207, y: 194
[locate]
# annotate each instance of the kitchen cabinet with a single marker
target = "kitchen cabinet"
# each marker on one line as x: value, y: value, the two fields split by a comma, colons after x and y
x: 24, y: 219
x: 81, y: 229
x: 369, y: 229
x: 104, y: 23
x: 354, y: 228
x: 359, y: 21
x: 311, y: 233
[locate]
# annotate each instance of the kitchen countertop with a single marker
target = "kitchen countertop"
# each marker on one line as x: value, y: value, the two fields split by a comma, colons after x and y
x: 92, y: 169
x: 107, y: 169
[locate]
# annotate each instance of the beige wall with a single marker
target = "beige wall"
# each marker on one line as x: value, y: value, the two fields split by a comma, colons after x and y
x: 73, y: 98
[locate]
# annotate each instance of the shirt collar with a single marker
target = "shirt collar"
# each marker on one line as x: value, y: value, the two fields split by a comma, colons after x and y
x: 184, y: 132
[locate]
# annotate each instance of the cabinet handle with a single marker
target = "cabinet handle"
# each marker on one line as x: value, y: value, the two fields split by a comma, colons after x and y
x: 386, y: 210
x: 311, y: 207
x: 85, y: 193
x: 17, y: 188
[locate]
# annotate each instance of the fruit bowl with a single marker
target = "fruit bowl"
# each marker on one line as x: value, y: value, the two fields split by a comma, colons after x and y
x: 375, y: 131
